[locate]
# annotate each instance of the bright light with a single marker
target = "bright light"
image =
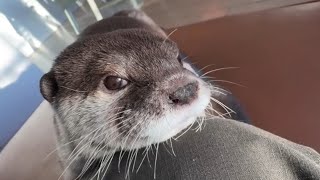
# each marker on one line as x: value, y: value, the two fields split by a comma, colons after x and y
x: 49, y: 20
x: 10, y: 35
x: 11, y: 45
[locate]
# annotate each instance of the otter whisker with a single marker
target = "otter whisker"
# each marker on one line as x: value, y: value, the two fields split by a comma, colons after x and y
x: 106, y: 144
x: 59, y: 147
x: 119, y: 160
x: 152, y: 149
x: 221, y: 89
x: 88, y: 163
x: 226, y: 108
x: 104, y: 157
x: 129, y: 164
x: 148, y: 157
x: 195, y: 63
x: 219, y: 69
x: 155, y: 162
x: 126, y: 167
x: 222, y: 105
x: 99, y: 169
x: 168, y: 36
x: 87, y: 144
x: 126, y: 138
x: 184, y: 58
x: 165, y: 147
x: 217, y: 112
x: 204, y: 122
x: 135, y: 159
x: 130, y: 159
x: 200, y: 122
x: 145, y: 152
x: 105, y: 171
x: 209, y: 107
x: 91, y: 157
x: 97, y: 173
x: 138, y: 137
x: 107, y: 164
x: 73, y: 159
x: 226, y: 81
x: 67, y: 143
x: 209, y: 116
x: 184, y: 131
x: 82, y: 137
x: 172, y: 147
x: 104, y: 165
x: 133, y: 143
x: 214, y: 91
x: 74, y: 151
x: 195, y: 129
x: 75, y: 90
x: 205, y: 68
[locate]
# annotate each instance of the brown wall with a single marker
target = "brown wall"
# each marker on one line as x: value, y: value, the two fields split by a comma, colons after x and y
x: 278, y: 53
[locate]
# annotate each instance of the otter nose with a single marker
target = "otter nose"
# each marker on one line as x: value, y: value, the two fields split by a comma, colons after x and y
x: 185, y: 94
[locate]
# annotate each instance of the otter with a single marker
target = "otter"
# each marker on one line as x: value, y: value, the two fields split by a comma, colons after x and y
x: 121, y: 86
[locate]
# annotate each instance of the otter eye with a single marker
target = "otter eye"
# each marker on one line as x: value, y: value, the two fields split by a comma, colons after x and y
x: 180, y: 59
x: 114, y: 83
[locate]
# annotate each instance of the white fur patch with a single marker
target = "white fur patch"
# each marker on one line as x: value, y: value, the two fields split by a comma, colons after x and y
x: 175, y: 121
x: 188, y: 66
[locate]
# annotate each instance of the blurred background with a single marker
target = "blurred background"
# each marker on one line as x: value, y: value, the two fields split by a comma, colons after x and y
x: 34, y: 32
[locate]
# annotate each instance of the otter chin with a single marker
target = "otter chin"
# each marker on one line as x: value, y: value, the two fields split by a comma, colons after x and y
x: 120, y: 86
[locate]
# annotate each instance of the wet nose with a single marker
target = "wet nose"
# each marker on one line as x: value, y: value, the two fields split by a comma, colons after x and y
x: 185, y: 94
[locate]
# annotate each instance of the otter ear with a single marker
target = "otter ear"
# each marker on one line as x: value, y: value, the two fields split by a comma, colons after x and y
x: 48, y: 86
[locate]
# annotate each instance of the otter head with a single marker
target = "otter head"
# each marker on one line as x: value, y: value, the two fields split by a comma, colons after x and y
x: 124, y: 90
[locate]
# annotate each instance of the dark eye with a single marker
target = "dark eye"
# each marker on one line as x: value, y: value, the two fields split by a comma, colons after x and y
x: 114, y: 83
x: 180, y: 58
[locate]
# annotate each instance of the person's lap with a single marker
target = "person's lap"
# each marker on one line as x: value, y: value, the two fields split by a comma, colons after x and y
x: 224, y: 149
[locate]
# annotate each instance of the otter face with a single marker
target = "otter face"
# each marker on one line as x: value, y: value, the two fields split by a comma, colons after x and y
x: 124, y: 90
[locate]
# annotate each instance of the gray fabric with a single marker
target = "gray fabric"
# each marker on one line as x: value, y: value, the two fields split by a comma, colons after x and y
x: 226, y: 149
